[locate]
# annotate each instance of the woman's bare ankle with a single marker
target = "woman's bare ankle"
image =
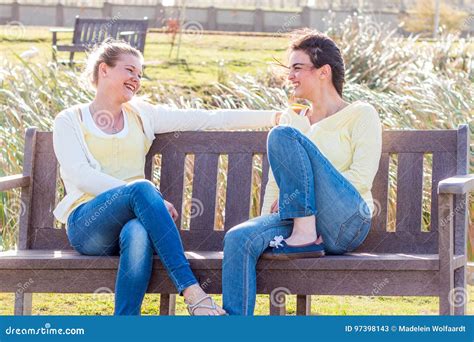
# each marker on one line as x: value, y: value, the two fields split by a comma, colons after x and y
x: 193, y: 293
x: 304, y: 231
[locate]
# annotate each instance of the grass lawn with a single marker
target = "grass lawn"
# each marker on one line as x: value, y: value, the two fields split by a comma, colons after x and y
x: 102, y: 304
x: 202, y: 53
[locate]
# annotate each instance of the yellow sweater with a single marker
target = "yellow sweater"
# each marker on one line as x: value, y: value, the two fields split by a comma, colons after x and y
x: 122, y: 157
x: 350, y: 139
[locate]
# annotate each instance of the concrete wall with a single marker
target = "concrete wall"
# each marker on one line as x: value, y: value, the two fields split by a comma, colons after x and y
x: 37, y: 15
x: 132, y: 12
x: 209, y: 18
x: 70, y: 14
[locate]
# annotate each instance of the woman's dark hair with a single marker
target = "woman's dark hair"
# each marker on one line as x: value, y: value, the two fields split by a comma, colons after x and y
x: 321, y: 50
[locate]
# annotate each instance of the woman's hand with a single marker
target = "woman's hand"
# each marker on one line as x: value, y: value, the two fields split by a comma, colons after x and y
x: 277, y: 118
x: 274, y: 207
x: 172, y: 210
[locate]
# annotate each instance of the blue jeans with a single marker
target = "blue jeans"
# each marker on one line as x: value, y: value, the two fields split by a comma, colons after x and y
x: 133, y: 221
x: 309, y: 185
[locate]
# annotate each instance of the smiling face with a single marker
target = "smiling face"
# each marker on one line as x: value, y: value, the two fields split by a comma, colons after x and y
x: 307, y: 80
x: 122, y: 80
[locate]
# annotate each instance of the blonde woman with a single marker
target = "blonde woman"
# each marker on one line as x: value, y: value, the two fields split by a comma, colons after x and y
x: 110, y: 208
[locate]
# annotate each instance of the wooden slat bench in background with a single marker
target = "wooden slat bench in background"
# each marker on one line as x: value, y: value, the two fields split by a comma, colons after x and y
x: 88, y: 32
x: 397, y: 259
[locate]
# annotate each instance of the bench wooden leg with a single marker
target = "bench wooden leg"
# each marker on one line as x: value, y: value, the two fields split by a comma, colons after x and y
x: 167, y: 304
x: 446, y: 254
x: 454, y: 296
x: 278, y: 309
x: 23, y: 304
x: 71, y: 59
x: 461, y: 295
x: 303, y: 305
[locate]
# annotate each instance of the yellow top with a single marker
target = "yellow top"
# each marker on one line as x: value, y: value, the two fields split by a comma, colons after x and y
x: 120, y: 155
x: 350, y: 139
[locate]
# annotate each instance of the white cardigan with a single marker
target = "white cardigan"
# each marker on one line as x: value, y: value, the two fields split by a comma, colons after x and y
x: 81, y: 173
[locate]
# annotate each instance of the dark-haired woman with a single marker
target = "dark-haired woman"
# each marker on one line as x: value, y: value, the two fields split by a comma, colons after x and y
x: 323, y: 161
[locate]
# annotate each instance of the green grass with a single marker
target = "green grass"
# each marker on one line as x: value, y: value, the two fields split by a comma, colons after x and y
x: 103, y: 304
x: 202, y: 54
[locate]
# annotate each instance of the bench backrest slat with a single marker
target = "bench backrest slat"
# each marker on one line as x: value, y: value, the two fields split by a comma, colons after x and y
x: 239, y: 179
x: 444, y: 165
x: 379, y: 193
x: 204, y: 191
x: 409, y: 191
x: 172, y: 177
x: 241, y: 147
x: 45, y: 177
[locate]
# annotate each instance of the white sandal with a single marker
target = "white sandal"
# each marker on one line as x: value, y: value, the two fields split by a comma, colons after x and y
x: 199, y: 305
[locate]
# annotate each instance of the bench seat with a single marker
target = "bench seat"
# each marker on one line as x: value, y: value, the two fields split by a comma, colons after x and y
x: 66, y: 271
x: 69, y: 259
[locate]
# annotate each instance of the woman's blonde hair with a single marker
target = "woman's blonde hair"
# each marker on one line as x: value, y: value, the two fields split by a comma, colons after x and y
x: 108, y: 52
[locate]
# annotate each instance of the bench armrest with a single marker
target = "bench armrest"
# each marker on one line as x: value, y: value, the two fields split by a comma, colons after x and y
x: 457, y: 185
x: 55, y: 31
x: 128, y: 33
x: 12, y: 182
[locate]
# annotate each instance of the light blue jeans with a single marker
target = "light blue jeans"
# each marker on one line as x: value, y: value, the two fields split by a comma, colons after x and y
x: 309, y: 185
x: 133, y: 221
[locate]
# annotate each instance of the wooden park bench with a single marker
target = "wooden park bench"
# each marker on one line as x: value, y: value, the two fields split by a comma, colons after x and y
x: 88, y: 32
x: 406, y: 262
